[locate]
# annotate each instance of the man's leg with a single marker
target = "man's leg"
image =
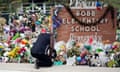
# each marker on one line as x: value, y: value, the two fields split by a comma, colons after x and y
x: 37, y: 64
x: 36, y: 61
x: 44, y: 61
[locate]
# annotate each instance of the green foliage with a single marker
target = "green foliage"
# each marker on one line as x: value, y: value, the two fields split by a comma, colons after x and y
x: 114, y: 3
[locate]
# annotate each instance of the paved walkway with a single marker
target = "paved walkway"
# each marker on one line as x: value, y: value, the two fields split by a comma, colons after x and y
x: 12, y: 67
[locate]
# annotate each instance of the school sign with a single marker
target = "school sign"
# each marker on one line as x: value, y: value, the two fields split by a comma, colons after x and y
x: 70, y: 29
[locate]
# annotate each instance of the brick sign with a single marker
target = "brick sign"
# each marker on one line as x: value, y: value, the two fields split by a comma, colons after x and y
x: 71, y: 29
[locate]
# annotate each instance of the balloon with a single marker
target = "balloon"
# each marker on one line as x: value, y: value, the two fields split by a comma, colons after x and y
x: 83, y: 53
x: 78, y: 58
x: 88, y: 47
x: 99, y: 50
x: 90, y: 40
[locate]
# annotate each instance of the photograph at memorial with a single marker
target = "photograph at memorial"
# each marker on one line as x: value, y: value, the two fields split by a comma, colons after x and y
x: 83, y: 32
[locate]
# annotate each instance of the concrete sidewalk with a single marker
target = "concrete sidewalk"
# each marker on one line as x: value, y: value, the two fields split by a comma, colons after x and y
x: 13, y: 67
x: 10, y: 71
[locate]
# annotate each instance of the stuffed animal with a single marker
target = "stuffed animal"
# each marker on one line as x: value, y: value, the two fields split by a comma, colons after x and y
x: 94, y: 61
x: 59, y: 60
x: 111, y: 63
x: 71, y: 60
x: 13, y: 52
x: 103, y: 58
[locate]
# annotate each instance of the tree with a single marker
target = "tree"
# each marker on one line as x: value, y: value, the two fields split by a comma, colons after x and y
x: 114, y: 3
